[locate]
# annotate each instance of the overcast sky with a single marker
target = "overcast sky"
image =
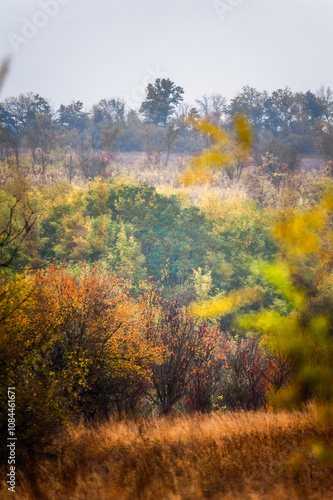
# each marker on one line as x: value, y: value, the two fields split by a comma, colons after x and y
x: 92, y: 49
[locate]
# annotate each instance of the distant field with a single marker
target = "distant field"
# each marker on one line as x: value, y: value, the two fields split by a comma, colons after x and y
x: 218, y: 456
x: 312, y: 162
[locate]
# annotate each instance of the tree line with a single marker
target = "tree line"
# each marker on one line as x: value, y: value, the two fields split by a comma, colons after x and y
x: 299, y: 122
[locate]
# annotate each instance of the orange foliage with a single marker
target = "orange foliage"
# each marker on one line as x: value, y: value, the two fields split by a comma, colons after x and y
x: 83, y: 336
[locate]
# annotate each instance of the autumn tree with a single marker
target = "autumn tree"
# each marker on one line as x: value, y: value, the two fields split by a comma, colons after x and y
x: 174, y: 334
x: 250, y: 373
x: 190, y: 356
x: 74, y: 346
x: 16, y: 222
x: 206, y: 368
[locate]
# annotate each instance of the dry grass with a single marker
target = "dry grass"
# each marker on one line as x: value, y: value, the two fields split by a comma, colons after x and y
x: 217, y: 456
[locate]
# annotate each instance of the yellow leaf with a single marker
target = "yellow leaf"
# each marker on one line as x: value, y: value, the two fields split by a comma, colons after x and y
x: 219, y: 307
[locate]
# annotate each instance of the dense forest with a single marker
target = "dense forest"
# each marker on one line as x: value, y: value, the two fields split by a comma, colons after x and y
x: 130, y: 288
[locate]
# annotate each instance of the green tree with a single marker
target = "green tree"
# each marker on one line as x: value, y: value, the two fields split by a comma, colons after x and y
x: 173, y: 238
x: 249, y: 102
x: 41, y: 136
x: 161, y: 99
x: 73, y: 116
x: 324, y: 138
x: 16, y: 113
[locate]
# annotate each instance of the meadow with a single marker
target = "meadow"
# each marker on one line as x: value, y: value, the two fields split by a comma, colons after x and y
x: 233, y: 455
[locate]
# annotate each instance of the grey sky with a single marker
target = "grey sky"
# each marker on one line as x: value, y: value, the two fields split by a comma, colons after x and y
x: 92, y: 49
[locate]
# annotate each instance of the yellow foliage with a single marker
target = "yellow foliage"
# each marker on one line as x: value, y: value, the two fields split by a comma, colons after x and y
x: 328, y: 201
x: 281, y: 333
x: 223, y: 153
x: 101, y: 188
x: 207, y: 128
x: 244, y: 133
x: 299, y: 232
x: 221, y: 306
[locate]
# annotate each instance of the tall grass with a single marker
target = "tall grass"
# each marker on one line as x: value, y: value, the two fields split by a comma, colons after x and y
x: 217, y: 456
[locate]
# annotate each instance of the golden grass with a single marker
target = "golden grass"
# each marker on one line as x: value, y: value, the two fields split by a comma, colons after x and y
x: 217, y: 456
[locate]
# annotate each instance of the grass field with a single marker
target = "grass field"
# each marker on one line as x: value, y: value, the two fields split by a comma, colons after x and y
x: 217, y: 456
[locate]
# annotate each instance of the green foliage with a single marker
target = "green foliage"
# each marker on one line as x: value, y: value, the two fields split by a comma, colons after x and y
x: 241, y: 234
x: 172, y: 237
x: 131, y: 228
x: 161, y: 99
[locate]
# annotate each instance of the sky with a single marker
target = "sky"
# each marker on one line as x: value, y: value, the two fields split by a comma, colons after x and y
x: 88, y: 50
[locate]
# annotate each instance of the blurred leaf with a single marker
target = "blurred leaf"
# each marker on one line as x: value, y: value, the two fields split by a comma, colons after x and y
x: 230, y: 303
x: 222, y: 154
x: 4, y: 68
